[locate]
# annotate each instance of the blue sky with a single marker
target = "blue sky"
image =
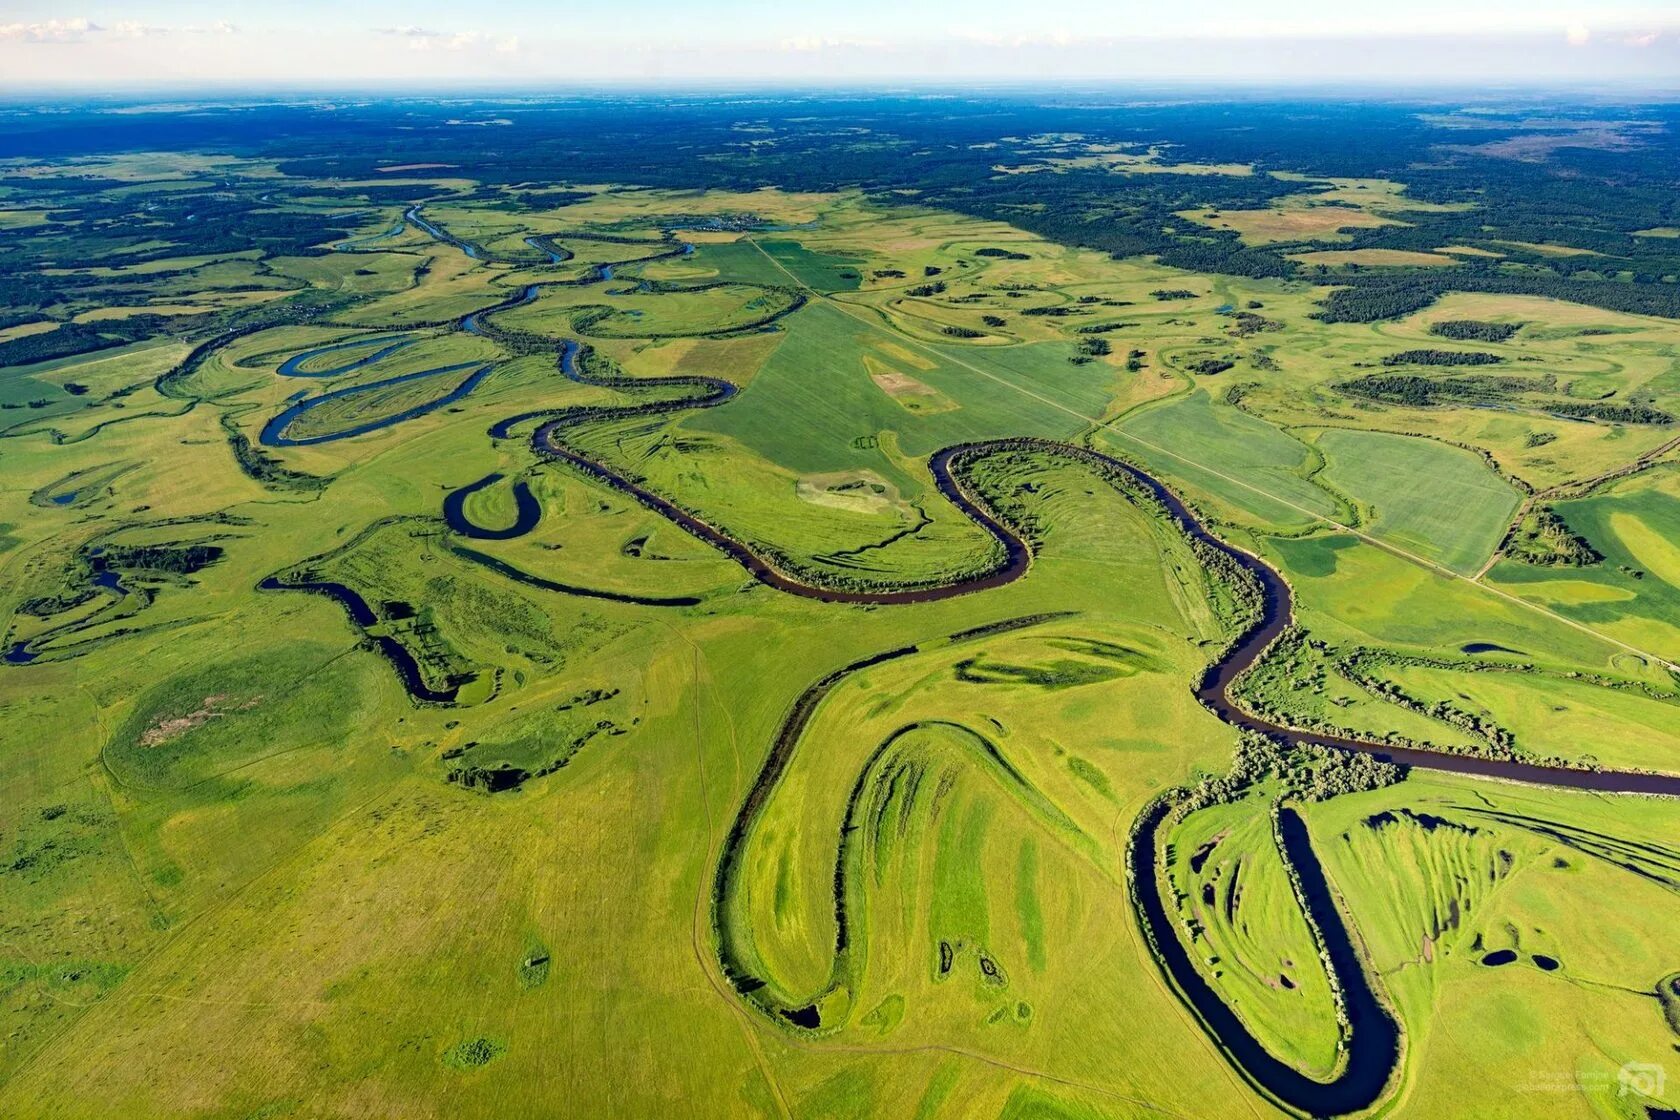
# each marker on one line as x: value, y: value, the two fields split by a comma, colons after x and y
x: 312, y: 42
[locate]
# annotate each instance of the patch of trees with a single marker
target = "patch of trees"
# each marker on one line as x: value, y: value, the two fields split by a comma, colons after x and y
x: 1002, y: 254
x: 489, y: 779
x: 1229, y: 258
x: 262, y: 467
x: 1373, y: 298
x: 1442, y: 358
x: 1473, y: 330
x: 1370, y: 303
x: 1610, y: 413
x: 925, y: 290
x: 1423, y: 392
x: 1054, y: 311
x: 552, y: 197
x: 1245, y: 323
x: 993, y: 320
x: 964, y: 332
x: 1210, y: 366
x: 10, y: 318
x: 179, y: 560
x: 1165, y: 294
x: 1544, y: 539
x: 501, y: 775
x: 1308, y: 772
x: 68, y: 340
x: 45, y: 606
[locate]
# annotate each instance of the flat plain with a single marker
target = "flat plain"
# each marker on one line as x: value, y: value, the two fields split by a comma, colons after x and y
x: 523, y: 673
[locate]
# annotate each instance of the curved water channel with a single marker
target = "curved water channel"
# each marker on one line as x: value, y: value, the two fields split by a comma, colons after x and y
x: 101, y: 578
x: 947, y: 466
x: 527, y: 511
x: 274, y: 432
x: 407, y: 667
x: 1372, y: 1041
x: 294, y: 365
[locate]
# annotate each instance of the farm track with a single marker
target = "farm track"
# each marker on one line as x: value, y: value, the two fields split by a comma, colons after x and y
x: 1576, y: 488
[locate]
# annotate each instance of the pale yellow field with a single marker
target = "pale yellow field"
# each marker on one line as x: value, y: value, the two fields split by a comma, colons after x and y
x: 1293, y: 223
x: 1373, y: 258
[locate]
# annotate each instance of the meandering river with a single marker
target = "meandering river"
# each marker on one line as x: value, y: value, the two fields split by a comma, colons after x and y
x: 1372, y: 1040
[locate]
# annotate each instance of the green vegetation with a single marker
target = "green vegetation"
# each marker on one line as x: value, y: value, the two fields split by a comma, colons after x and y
x: 1541, y: 537
x: 1246, y: 462
x: 1430, y: 498
x: 473, y: 1053
x: 1473, y: 330
x: 1426, y: 392
x: 634, y: 802
x: 1430, y: 357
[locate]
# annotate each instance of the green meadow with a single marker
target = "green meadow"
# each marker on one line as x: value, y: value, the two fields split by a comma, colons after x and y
x: 325, y: 802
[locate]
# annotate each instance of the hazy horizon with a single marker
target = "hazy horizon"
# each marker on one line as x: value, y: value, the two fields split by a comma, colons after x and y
x: 194, y: 44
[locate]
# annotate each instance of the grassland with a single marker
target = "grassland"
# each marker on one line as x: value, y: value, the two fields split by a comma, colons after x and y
x: 1291, y: 224
x: 1631, y: 523
x: 231, y: 817
x: 1430, y: 498
x: 1373, y: 258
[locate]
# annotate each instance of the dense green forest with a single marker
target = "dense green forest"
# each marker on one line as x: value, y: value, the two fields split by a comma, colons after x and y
x: 943, y: 151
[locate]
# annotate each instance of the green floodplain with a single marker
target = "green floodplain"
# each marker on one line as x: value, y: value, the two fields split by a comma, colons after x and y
x: 376, y: 745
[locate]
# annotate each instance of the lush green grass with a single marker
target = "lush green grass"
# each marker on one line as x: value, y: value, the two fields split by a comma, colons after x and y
x: 629, y: 312
x: 1527, y: 874
x: 1252, y: 934
x: 1553, y: 718
x: 826, y: 272
x: 226, y: 819
x: 1248, y: 464
x: 194, y: 727
x: 1437, y: 501
x: 814, y: 407
x: 1635, y: 591
x: 1349, y: 592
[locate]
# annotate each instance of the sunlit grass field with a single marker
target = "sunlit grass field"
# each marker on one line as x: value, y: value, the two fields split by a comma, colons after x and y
x: 248, y: 873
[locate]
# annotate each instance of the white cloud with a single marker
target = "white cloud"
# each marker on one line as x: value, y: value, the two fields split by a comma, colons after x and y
x: 1643, y: 40
x: 1025, y: 39
x: 49, y: 31
x: 426, y: 39
x: 1577, y: 35
x: 79, y: 29
x: 134, y: 29
x: 810, y: 44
